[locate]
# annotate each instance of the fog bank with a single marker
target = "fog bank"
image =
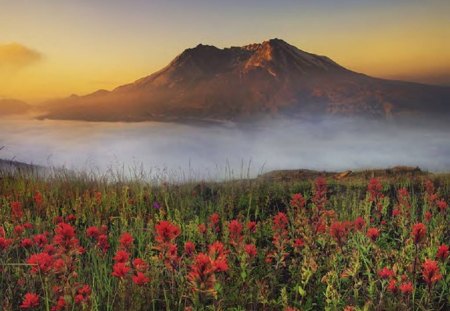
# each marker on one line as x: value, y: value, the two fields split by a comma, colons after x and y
x: 217, y: 151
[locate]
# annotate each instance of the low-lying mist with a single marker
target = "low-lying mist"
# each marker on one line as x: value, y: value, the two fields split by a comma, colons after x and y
x: 217, y: 151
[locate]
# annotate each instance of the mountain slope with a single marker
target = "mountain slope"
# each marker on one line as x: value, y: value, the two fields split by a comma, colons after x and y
x: 240, y: 83
x: 13, y: 106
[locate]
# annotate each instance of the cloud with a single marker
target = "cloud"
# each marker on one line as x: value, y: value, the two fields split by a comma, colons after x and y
x: 14, y: 56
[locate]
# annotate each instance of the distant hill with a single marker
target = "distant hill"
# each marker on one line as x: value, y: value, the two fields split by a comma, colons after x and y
x: 241, y: 83
x: 13, y: 106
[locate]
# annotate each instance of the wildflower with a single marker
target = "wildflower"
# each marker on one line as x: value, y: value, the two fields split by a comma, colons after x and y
x: 121, y: 256
x: 395, y: 212
x: 406, y: 288
x: 140, y: 279
x: 392, y: 286
x: 140, y: 265
x: 428, y: 215
x: 41, y: 262
x: 280, y: 222
x: 359, y: 223
x: 298, y: 243
x: 375, y: 187
x: 38, y: 199
x: 40, y: 240
x: 320, y: 193
x: 235, y: 228
x: 16, y: 210
x: 31, y: 300
x: 71, y: 218
x: 19, y: 229
x: 60, y: 304
x: 201, y: 228
x: 214, y: 222
x: 430, y: 272
x: 5, y: 243
x: 418, y: 232
x: 26, y: 243
x: 202, y: 274
x: 251, y: 226
x: 297, y: 201
x: 442, y: 205
x: 373, y: 233
x: 338, y: 231
x: 120, y: 270
x: 126, y: 240
x: 166, y: 231
x: 93, y: 232
x: 83, y: 294
x: 251, y: 250
x: 189, y: 248
x: 442, y: 252
x: 156, y: 205
x: 102, y: 242
x: 385, y: 273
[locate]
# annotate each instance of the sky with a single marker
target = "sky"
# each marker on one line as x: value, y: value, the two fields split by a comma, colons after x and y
x: 55, y: 48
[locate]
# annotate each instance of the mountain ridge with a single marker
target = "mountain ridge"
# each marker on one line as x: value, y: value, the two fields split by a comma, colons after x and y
x: 242, y: 83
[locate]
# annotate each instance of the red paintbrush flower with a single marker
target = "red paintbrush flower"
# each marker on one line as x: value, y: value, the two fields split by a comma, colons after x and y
x: 126, y: 240
x: 359, y: 223
x: 375, y: 187
x: 214, y: 222
x: 392, y: 286
x: 338, y: 231
x: 373, y: 233
x: 406, y: 288
x: 120, y: 270
x: 121, y: 256
x: 26, y: 243
x: 235, y: 228
x: 442, y: 252
x: 189, y: 248
x: 31, y: 300
x: 140, y: 265
x: 251, y: 226
x: 251, y: 250
x: 41, y: 262
x: 418, y: 232
x: 280, y: 222
x: 385, y: 273
x: 93, y: 232
x: 16, y: 210
x: 140, y: 279
x: 430, y: 272
x: 5, y: 243
x: 442, y: 205
x: 297, y: 201
x: 166, y: 232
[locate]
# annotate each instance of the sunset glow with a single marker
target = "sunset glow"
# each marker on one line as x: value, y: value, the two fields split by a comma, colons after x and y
x: 56, y: 48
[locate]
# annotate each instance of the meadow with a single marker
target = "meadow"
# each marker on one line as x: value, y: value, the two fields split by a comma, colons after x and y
x: 82, y: 242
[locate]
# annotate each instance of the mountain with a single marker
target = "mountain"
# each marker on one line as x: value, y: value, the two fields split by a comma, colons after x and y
x: 240, y: 83
x: 13, y: 106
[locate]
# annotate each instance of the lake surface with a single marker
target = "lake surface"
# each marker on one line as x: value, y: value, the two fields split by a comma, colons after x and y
x: 217, y: 151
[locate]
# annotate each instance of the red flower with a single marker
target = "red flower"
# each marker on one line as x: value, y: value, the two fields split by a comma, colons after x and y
x: 120, y: 270
x: 338, y: 231
x: 140, y: 265
x: 320, y: 193
x: 40, y: 240
x: 140, y: 279
x: 418, y: 232
x: 60, y: 304
x: 19, y: 229
x: 373, y: 233
x: 298, y: 243
x: 38, y: 199
x: 189, y: 248
x: 392, y: 287
x: 26, y: 243
x: 385, y: 273
x: 201, y: 228
x: 359, y: 223
x: 126, y: 240
x: 214, y: 222
x: 442, y: 205
x: 251, y: 226
x: 395, y: 212
x: 41, y: 262
x: 166, y: 232
x: 406, y: 288
x: 83, y: 294
x: 442, y: 252
x: 375, y: 187
x: 30, y: 300
x: 16, y: 210
x: 93, y: 232
x: 5, y: 243
x: 280, y: 222
x: 297, y: 201
x: 202, y: 274
x: 102, y: 242
x: 235, y: 228
x: 430, y: 272
x: 121, y: 256
x: 428, y: 215
x: 251, y: 250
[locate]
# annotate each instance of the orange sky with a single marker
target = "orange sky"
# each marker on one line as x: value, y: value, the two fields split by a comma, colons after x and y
x: 56, y: 48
